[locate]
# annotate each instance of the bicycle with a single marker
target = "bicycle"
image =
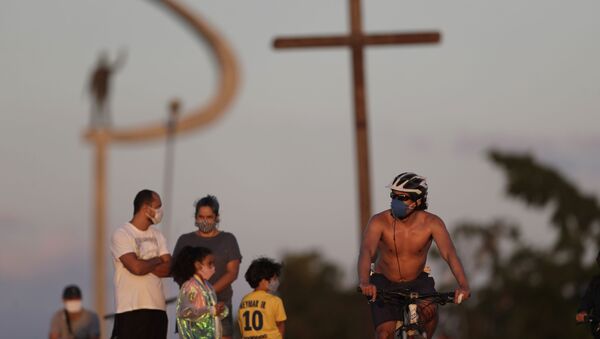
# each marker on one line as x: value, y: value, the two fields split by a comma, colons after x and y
x: 594, y: 324
x: 409, y: 326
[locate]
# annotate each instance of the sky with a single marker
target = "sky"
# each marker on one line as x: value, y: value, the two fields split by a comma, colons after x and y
x: 514, y: 75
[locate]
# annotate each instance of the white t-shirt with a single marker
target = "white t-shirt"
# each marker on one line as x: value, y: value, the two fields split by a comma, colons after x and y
x: 134, y: 292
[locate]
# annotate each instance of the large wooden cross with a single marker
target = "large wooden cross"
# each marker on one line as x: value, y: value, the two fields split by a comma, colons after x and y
x: 356, y: 41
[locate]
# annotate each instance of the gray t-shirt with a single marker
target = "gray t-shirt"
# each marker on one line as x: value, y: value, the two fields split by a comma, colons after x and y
x: 225, y: 249
x: 85, y: 327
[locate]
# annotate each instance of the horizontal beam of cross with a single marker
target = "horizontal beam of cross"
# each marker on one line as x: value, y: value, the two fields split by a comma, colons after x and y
x: 348, y: 40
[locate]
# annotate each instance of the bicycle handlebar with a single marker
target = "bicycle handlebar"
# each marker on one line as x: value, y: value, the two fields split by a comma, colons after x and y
x: 590, y: 318
x: 593, y: 321
x: 437, y: 297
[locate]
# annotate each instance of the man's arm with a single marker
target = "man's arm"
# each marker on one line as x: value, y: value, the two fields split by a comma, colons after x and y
x: 163, y: 269
x: 139, y: 266
x: 233, y: 268
x: 586, y: 303
x: 281, y: 328
x: 368, y: 249
x: 448, y: 253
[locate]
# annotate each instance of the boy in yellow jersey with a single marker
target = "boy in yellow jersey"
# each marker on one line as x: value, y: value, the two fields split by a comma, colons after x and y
x: 261, y: 314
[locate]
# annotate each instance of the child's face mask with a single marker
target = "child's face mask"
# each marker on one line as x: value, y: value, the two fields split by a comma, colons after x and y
x: 206, y: 272
x: 273, y: 284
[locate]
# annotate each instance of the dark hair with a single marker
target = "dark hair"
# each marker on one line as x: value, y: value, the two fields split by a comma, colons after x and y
x: 262, y: 268
x: 183, y: 267
x: 143, y: 197
x: 423, y: 205
x: 71, y: 292
x: 210, y: 201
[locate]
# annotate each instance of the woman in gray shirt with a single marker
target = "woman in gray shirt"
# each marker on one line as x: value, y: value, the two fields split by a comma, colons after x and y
x: 223, y: 245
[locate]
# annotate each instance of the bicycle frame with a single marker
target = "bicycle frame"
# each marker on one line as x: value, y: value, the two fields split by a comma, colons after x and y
x: 593, y: 322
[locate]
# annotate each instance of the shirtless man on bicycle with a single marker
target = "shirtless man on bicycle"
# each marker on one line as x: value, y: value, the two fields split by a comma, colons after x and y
x: 400, y: 238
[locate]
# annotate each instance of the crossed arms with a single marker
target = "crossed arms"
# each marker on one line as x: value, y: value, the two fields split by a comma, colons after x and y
x: 159, y: 266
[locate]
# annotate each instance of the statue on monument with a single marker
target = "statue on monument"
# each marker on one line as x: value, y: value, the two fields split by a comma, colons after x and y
x: 99, y: 87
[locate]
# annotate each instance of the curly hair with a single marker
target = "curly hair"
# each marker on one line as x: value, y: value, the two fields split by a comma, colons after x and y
x: 262, y: 268
x: 183, y: 268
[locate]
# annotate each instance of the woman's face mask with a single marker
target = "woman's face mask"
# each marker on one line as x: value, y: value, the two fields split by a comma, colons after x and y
x: 206, y: 219
x: 206, y: 226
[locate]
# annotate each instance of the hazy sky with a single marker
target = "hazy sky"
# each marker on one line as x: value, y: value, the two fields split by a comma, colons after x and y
x: 518, y: 75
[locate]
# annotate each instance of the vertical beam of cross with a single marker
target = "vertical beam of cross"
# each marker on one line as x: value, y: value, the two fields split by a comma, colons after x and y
x: 357, y: 41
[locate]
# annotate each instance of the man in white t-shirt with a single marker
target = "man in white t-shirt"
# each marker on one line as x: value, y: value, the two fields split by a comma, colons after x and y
x: 141, y: 259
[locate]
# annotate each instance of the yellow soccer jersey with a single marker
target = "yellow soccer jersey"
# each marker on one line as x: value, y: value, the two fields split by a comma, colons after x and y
x: 258, y: 316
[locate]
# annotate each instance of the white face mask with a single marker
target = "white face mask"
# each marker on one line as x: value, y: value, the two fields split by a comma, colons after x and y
x: 207, y: 272
x: 273, y: 285
x: 73, y: 306
x: 157, y: 218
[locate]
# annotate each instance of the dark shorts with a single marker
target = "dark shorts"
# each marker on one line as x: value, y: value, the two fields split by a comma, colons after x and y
x: 227, y: 322
x: 382, y: 312
x: 140, y: 324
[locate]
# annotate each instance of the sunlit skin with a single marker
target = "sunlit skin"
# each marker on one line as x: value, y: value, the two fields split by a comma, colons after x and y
x: 205, y: 213
x: 208, y: 261
x: 414, y: 236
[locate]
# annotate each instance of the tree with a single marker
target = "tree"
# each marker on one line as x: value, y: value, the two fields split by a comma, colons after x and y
x: 316, y: 303
x: 530, y: 292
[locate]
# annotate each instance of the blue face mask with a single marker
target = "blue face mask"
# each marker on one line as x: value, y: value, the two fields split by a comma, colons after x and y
x: 399, y: 209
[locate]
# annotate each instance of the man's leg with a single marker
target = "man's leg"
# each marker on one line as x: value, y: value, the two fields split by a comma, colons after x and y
x: 384, y: 315
x: 157, y: 324
x: 428, y: 314
x: 385, y: 330
x: 427, y: 310
x: 126, y: 326
x: 146, y: 324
